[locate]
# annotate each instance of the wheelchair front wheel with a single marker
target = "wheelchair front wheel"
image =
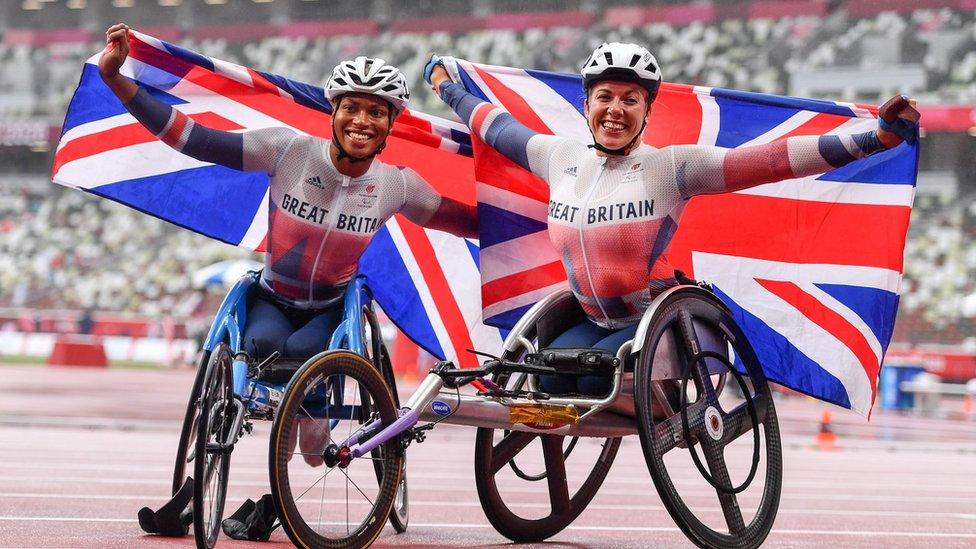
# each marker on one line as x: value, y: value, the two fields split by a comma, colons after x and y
x: 185, y: 452
x: 695, y: 332
x: 400, y: 513
x: 214, y: 442
x: 324, y: 501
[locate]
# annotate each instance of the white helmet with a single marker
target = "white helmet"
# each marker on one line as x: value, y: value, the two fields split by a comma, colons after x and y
x: 625, y: 62
x: 369, y: 75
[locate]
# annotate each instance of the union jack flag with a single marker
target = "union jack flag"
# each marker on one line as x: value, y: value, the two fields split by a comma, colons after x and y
x: 810, y: 267
x: 422, y: 278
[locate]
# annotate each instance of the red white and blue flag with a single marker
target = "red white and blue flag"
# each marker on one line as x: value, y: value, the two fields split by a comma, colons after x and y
x: 810, y: 267
x: 425, y: 280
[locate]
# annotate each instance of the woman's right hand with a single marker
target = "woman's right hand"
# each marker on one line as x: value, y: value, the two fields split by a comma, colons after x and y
x: 440, y: 69
x: 115, y: 52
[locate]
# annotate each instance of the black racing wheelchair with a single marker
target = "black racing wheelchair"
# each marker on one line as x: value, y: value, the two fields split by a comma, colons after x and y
x: 697, y: 398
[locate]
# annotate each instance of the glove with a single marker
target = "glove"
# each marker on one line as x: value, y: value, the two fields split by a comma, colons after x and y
x: 449, y: 64
x: 899, y: 117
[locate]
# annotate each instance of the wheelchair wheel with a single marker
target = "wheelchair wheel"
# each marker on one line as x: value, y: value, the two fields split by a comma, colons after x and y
x: 380, y: 357
x: 188, y: 434
x: 571, y: 482
x: 400, y: 513
x: 322, y: 500
x: 212, y: 448
x: 720, y: 405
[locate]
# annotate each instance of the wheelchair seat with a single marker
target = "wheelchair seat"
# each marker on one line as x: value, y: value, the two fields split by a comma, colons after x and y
x: 280, y: 371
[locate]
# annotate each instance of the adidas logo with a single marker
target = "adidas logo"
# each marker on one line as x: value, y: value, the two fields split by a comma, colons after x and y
x: 570, y: 170
x: 315, y: 181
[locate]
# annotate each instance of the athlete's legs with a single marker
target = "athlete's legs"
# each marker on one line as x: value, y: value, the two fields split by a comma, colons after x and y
x: 313, y: 338
x: 266, y: 330
x: 584, y: 334
x: 307, y: 341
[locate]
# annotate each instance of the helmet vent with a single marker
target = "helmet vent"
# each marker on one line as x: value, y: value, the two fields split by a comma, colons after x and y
x: 634, y: 60
x: 609, y: 57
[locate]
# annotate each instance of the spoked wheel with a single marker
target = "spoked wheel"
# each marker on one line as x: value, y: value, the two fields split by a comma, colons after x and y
x: 400, y: 513
x: 508, y: 464
x: 185, y: 452
x: 693, y: 351
x: 215, y: 439
x: 324, y: 499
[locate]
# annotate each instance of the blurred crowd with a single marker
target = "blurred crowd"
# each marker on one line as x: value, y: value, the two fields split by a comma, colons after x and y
x: 72, y: 250
x: 754, y: 54
x: 68, y: 249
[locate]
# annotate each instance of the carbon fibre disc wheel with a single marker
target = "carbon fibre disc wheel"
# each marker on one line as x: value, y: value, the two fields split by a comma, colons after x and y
x: 713, y: 436
x: 568, y: 490
x: 325, y: 498
x: 572, y: 471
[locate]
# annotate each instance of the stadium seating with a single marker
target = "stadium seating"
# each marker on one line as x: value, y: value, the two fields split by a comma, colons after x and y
x: 68, y: 250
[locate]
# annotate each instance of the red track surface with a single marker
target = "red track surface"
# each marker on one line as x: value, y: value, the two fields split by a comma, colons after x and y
x: 83, y: 449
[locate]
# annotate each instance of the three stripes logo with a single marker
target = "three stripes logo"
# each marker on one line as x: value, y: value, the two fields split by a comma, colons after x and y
x: 570, y: 170
x: 315, y: 181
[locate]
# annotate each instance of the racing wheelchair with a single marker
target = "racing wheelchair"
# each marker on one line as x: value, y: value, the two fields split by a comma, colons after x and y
x: 696, y: 389
x: 231, y: 390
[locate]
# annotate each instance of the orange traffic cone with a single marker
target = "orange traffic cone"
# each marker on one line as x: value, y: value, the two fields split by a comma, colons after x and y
x: 826, y: 437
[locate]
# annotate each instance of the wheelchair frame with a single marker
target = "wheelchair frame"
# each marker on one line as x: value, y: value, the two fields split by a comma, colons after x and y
x: 438, y: 399
x: 256, y: 398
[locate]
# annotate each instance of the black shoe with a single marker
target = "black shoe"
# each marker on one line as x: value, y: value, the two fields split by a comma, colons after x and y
x: 172, y: 519
x: 253, y: 521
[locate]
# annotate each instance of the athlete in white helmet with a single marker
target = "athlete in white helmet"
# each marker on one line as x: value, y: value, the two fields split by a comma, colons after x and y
x: 613, y: 211
x: 328, y: 197
x: 327, y: 200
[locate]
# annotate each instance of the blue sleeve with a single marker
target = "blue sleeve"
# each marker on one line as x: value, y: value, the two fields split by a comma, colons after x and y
x: 183, y: 134
x: 500, y: 130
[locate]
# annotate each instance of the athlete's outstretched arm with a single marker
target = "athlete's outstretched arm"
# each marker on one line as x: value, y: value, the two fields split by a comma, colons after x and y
x: 423, y: 205
x: 707, y: 170
x: 494, y: 125
x: 175, y: 128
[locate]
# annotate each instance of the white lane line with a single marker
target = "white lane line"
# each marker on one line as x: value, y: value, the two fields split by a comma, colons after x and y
x: 859, y: 533
x: 509, y: 488
x: 474, y: 503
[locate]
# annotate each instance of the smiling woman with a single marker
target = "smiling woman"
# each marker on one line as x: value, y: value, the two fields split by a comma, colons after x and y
x: 613, y: 211
x: 366, y: 95
x: 327, y: 198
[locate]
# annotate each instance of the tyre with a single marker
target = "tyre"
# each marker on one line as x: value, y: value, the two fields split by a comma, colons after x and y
x: 212, y: 448
x: 717, y: 414
x: 508, y: 462
x: 400, y: 513
x: 185, y: 452
x: 323, y: 499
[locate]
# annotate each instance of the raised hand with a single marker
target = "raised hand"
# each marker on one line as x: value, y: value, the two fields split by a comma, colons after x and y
x: 897, y: 121
x: 115, y: 52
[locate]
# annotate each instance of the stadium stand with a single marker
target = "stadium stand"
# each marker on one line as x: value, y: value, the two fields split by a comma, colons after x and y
x: 62, y: 249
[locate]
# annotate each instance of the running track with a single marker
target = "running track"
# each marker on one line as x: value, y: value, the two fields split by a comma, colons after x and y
x: 83, y: 449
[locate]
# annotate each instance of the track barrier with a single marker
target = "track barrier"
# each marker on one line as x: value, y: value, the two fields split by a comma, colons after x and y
x: 78, y: 350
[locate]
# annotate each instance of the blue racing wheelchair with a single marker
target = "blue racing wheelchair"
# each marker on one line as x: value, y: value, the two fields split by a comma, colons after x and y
x: 232, y: 389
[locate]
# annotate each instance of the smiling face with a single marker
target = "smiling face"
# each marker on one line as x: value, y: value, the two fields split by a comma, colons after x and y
x: 361, y: 123
x: 616, y: 112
